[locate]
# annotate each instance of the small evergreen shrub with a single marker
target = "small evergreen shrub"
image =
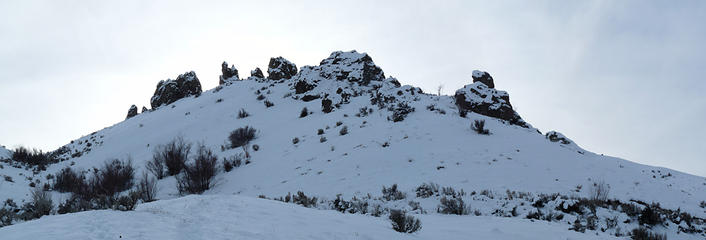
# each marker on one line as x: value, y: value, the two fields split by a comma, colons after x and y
x: 403, y: 223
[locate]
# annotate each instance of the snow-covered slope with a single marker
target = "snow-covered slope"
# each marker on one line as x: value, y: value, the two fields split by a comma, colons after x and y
x: 234, y: 217
x: 5, y: 153
x: 432, y: 143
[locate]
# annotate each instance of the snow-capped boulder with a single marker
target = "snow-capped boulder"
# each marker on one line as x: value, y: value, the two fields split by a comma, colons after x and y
x: 257, y: 73
x: 132, y: 112
x: 555, y: 136
x: 479, y: 98
x: 228, y: 74
x: 484, y: 77
x: 280, y: 68
x: 169, y: 91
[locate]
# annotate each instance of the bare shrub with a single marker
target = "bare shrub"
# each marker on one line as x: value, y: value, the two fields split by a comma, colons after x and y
x: 40, y: 205
x: 241, y: 137
x: 173, y: 155
x: 599, y: 191
x: 198, y: 177
x: 479, y: 127
x: 642, y: 233
x: 403, y: 223
x: 156, y: 166
x: 243, y: 114
x: 147, y: 188
x: 427, y: 190
x: 392, y: 193
x: 453, y: 206
x: 67, y: 180
x: 115, y: 176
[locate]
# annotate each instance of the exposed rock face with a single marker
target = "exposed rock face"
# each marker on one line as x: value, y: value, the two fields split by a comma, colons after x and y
x: 169, y: 91
x: 132, y: 112
x: 326, y: 105
x: 351, y: 66
x: 557, y: 137
x: 229, y: 74
x: 144, y: 109
x: 484, y: 77
x: 257, y: 73
x: 478, y: 97
x: 280, y: 68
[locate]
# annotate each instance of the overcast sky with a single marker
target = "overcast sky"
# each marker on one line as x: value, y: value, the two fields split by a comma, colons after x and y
x: 623, y: 78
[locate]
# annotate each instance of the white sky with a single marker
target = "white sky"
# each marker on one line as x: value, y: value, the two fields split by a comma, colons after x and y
x: 624, y: 78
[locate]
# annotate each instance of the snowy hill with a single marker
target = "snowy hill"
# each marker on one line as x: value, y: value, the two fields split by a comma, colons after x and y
x: 394, y: 135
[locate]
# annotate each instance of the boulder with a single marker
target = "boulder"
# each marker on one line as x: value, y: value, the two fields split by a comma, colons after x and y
x: 257, y: 73
x: 554, y: 136
x: 144, y: 109
x: 479, y: 98
x: 169, y: 91
x: 132, y: 112
x: 326, y: 105
x: 351, y: 66
x: 228, y: 74
x: 280, y: 68
x: 484, y: 77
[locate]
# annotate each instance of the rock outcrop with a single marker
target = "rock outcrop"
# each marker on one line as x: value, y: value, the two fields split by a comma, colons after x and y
x: 484, y: 77
x: 228, y: 74
x: 480, y: 98
x: 132, y: 112
x: 169, y: 91
x: 280, y: 68
x: 554, y: 136
x: 144, y: 109
x: 257, y: 73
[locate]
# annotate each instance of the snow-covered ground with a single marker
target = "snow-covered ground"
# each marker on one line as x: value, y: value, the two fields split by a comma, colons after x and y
x: 429, y: 145
x: 237, y: 217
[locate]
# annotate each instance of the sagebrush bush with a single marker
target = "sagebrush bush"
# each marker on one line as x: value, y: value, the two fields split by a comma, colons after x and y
x: 172, y: 155
x: 427, y: 190
x: 301, y: 199
x: 642, y: 233
x: 650, y: 216
x: 198, y: 176
x: 392, y: 193
x: 67, y: 180
x: 479, y: 127
x: 232, y: 162
x: 32, y: 157
x: 243, y: 114
x: 453, y: 206
x: 599, y: 191
x: 241, y: 137
x: 344, y: 130
x: 40, y: 205
x: 115, y: 176
x: 403, y: 223
x: 147, y: 188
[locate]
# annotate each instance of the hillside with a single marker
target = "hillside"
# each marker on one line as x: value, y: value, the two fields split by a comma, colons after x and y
x: 394, y: 135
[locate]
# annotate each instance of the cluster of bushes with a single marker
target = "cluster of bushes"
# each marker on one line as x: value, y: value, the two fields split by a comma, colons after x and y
x: 300, y: 198
x: 33, y: 157
x: 103, y: 189
x: 400, y: 112
x: 193, y: 177
x: 39, y: 205
x: 642, y: 233
x: 392, y: 193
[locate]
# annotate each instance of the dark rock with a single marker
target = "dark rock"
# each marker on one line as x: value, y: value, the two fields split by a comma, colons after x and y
x: 169, y: 91
x: 326, y: 105
x: 484, y: 77
x: 351, y: 66
x: 554, y: 136
x: 479, y: 98
x: 257, y: 73
x: 280, y: 68
x: 302, y: 87
x: 132, y: 112
x: 309, y: 98
x: 144, y: 109
x: 228, y: 73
